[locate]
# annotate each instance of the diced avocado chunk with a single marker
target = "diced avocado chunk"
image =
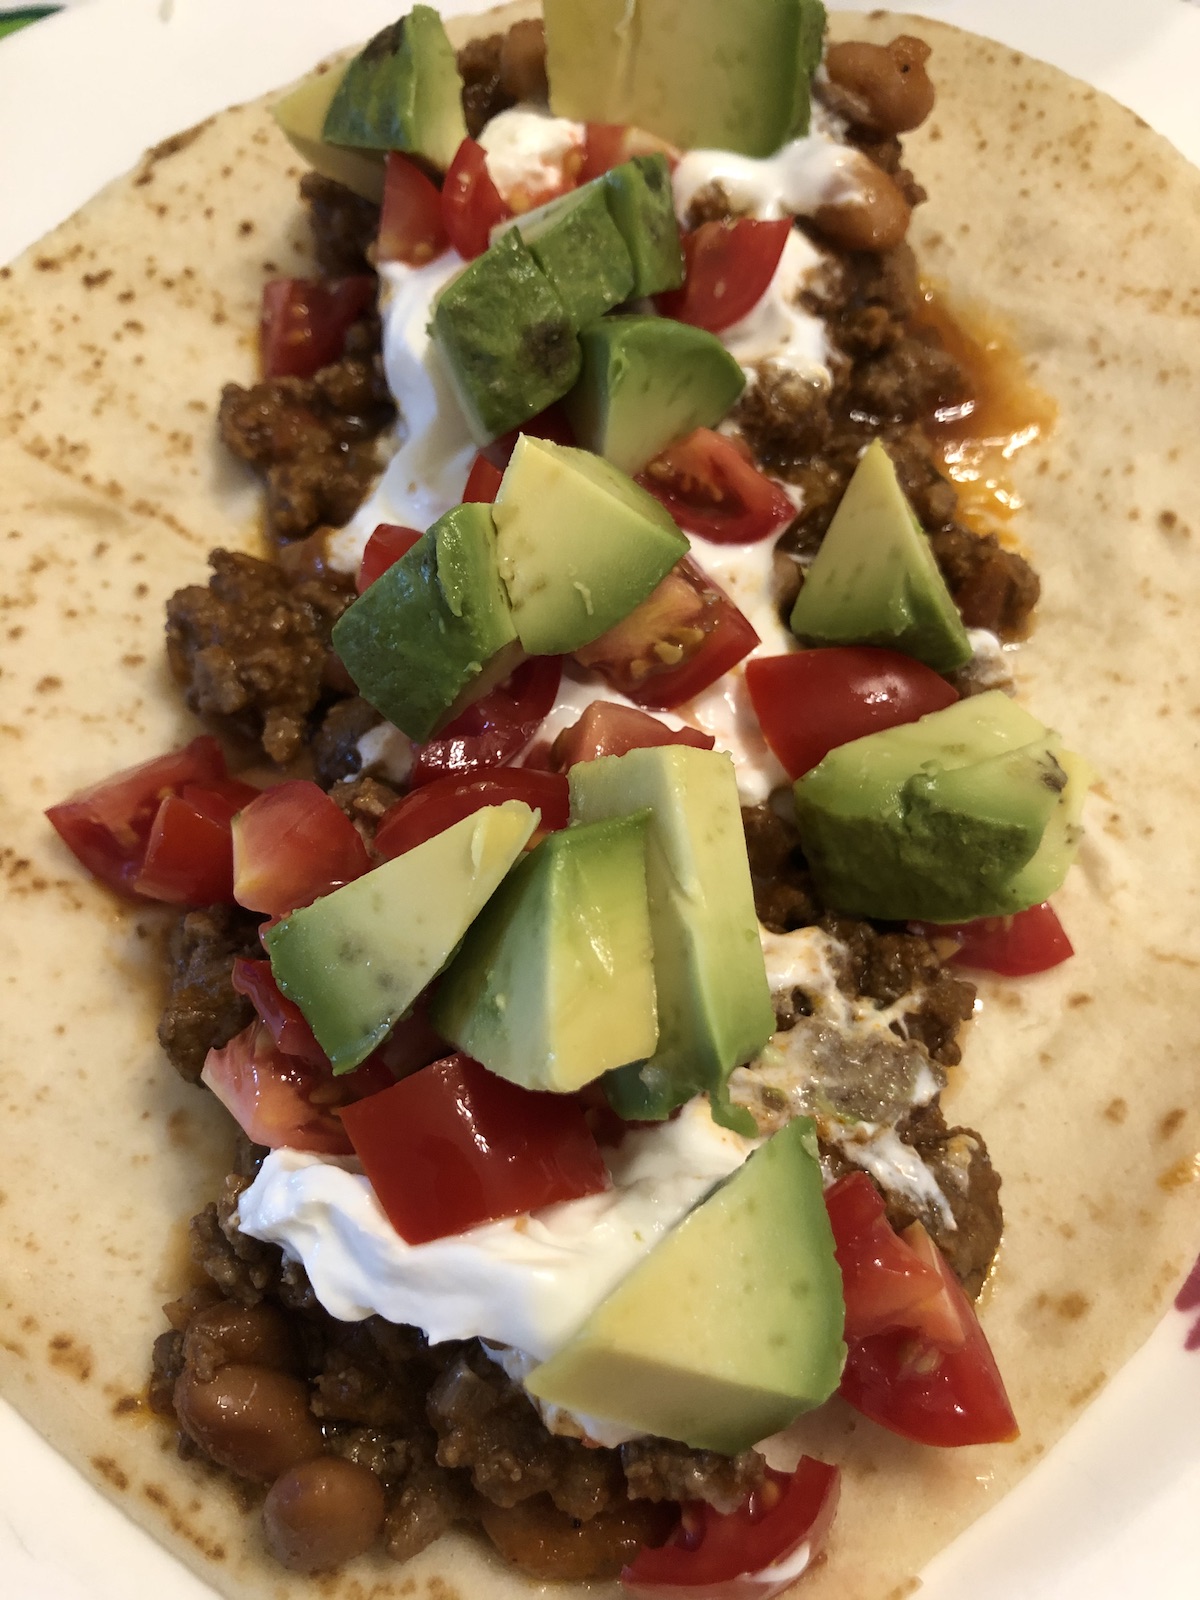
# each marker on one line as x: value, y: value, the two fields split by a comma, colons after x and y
x: 355, y: 960
x: 402, y: 92
x: 731, y: 1326
x: 970, y: 812
x: 301, y: 117
x: 704, y: 74
x: 643, y: 208
x: 553, y: 984
x: 875, y: 580
x: 714, y: 1006
x: 580, y: 545
x: 647, y: 381
x: 508, y: 341
x: 435, y: 631
x: 580, y: 249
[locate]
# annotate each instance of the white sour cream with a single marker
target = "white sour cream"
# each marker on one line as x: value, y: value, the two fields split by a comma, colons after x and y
x: 778, y: 329
x: 799, y: 178
x: 527, y: 153
x: 529, y: 1282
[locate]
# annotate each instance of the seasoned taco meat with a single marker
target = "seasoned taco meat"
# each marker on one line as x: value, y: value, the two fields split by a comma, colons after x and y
x: 335, y: 743
x: 202, y: 1010
x: 960, y: 1163
x: 342, y: 223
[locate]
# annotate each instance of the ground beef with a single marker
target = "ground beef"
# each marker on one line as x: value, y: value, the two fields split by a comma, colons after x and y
x: 483, y: 97
x: 254, y: 647
x: 784, y: 897
x: 365, y: 801
x: 335, y: 742
x: 166, y: 1363
x: 243, y: 1269
x: 994, y: 588
x: 428, y: 1503
x: 662, y: 1469
x: 959, y: 1161
x: 202, y: 1011
x: 343, y: 224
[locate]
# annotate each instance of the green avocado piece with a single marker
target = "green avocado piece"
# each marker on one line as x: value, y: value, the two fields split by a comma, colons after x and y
x: 704, y: 74
x: 554, y: 984
x: 970, y: 812
x: 875, y: 580
x: 645, y: 382
x: 435, y: 631
x: 580, y: 545
x: 731, y: 1327
x: 509, y: 344
x: 355, y: 960
x: 301, y: 117
x: 402, y: 91
x: 580, y: 249
x: 643, y: 208
x: 714, y: 1005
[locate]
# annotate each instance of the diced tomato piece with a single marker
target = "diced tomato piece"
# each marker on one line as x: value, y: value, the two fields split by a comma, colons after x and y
x: 411, y: 227
x: 811, y: 701
x: 269, y: 1094
x: 940, y: 1318
x: 494, y: 730
x: 884, y: 1281
x: 752, y: 1553
x: 454, y: 1145
x: 383, y: 549
x: 471, y: 203
x: 551, y: 424
x: 436, y: 806
x: 677, y: 642
x: 108, y: 824
x: 609, y: 729
x: 711, y: 489
x: 292, y: 845
x: 189, y: 853
x: 608, y: 144
x: 728, y: 266
x: 305, y: 322
x: 1030, y: 941
x: 483, y: 481
x: 283, y: 1017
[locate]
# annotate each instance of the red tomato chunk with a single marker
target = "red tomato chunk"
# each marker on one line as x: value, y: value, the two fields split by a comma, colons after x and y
x: 293, y: 845
x: 1030, y: 941
x: 494, y: 730
x: 305, y: 322
x: 728, y: 267
x: 471, y: 203
x: 283, y: 1017
x: 609, y: 729
x: 752, y: 1553
x: 811, y: 701
x: 608, y: 144
x: 454, y: 1146
x: 274, y: 1098
x: 712, y: 489
x: 438, y: 805
x: 383, y: 549
x: 411, y: 227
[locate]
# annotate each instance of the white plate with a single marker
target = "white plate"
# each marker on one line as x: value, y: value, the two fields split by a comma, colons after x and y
x: 1112, y: 1512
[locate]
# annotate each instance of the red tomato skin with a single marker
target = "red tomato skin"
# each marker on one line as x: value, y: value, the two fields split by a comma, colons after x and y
x: 737, y: 1556
x: 493, y: 731
x: 883, y: 1281
x: 189, y: 853
x: 728, y: 266
x: 609, y: 729
x: 305, y: 321
x: 411, y: 228
x: 454, y: 1146
x: 436, y: 806
x: 608, y: 144
x: 267, y: 1093
x: 550, y: 424
x: 712, y: 490
x: 284, y: 1019
x: 471, y: 203
x: 483, y: 482
x: 811, y: 701
x: 292, y: 845
x: 1030, y: 941
x: 383, y: 549
x: 685, y: 594
x: 106, y: 825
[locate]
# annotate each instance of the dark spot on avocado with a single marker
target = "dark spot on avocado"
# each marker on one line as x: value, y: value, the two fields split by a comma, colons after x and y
x: 387, y: 42
x: 548, y: 347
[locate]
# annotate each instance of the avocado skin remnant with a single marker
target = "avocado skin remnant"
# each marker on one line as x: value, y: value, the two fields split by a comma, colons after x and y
x: 731, y: 1326
x: 970, y: 812
x: 301, y: 117
x: 580, y: 545
x: 434, y: 632
x: 714, y: 1005
x: 355, y: 960
x: 402, y: 91
x: 647, y: 381
x: 703, y: 74
x: 554, y: 984
x: 507, y: 338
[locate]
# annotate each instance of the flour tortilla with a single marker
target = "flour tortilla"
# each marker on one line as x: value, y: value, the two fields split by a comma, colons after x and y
x: 1052, y: 207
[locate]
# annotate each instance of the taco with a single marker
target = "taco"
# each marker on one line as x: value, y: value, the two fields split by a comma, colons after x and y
x: 1049, y: 207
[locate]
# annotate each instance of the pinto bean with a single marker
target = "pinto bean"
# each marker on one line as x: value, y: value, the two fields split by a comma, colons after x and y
x: 888, y: 86
x: 523, y: 61
x: 322, y: 1514
x: 548, y: 1544
x: 251, y: 1420
x: 871, y: 214
x: 224, y: 1333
